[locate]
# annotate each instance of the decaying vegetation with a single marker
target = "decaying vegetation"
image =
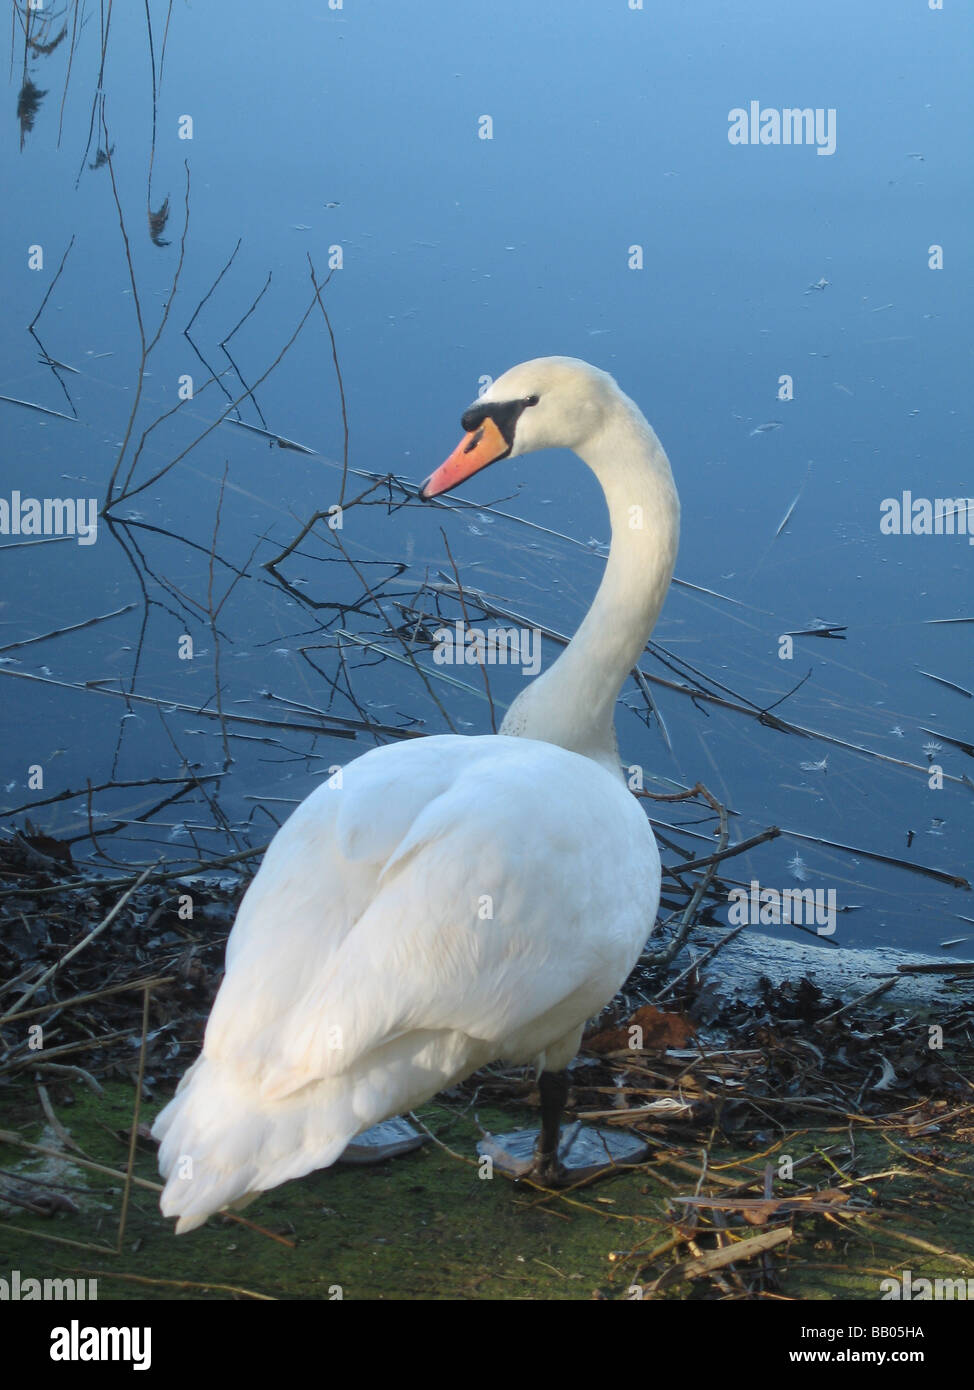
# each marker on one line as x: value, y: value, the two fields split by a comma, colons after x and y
x: 781, y: 1121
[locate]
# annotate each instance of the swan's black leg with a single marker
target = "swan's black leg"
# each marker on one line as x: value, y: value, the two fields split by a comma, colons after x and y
x: 546, y: 1169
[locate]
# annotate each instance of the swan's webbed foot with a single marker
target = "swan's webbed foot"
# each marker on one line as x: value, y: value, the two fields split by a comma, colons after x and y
x: 559, y: 1157
x: 546, y: 1169
x: 388, y: 1139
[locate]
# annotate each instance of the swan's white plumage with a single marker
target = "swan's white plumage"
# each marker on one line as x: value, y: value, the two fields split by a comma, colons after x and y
x: 451, y: 901
x: 362, y: 991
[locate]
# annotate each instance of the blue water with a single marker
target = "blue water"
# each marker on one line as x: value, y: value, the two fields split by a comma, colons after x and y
x: 359, y: 128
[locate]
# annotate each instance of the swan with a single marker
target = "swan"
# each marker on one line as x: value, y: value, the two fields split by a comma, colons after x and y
x: 363, y: 973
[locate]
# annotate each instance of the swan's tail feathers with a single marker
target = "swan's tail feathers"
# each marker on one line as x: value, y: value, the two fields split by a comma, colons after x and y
x: 221, y: 1145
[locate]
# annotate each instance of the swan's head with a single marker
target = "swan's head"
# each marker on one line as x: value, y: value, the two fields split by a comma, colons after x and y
x: 551, y: 402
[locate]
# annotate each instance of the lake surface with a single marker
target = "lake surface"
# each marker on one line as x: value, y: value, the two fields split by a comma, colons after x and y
x: 479, y: 186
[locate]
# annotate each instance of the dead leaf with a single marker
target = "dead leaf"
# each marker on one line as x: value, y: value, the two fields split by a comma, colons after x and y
x: 657, y: 1032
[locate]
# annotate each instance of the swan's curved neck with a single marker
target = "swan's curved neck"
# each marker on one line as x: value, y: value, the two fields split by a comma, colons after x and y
x: 572, y: 704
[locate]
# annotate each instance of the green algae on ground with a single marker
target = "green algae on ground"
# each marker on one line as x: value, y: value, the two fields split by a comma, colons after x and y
x: 428, y: 1226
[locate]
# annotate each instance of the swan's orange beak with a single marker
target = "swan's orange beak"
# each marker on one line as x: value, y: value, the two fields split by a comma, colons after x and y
x: 474, y: 452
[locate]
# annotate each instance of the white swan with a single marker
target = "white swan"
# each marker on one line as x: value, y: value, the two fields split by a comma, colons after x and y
x: 363, y: 974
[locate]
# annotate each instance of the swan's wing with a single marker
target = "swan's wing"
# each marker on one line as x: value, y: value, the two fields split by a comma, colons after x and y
x: 500, y: 903
x: 318, y: 877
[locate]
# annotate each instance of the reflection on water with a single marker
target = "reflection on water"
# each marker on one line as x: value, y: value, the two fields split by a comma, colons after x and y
x: 245, y: 313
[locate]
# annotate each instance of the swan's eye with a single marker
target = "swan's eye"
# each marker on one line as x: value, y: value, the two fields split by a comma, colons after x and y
x: 531, y: 400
